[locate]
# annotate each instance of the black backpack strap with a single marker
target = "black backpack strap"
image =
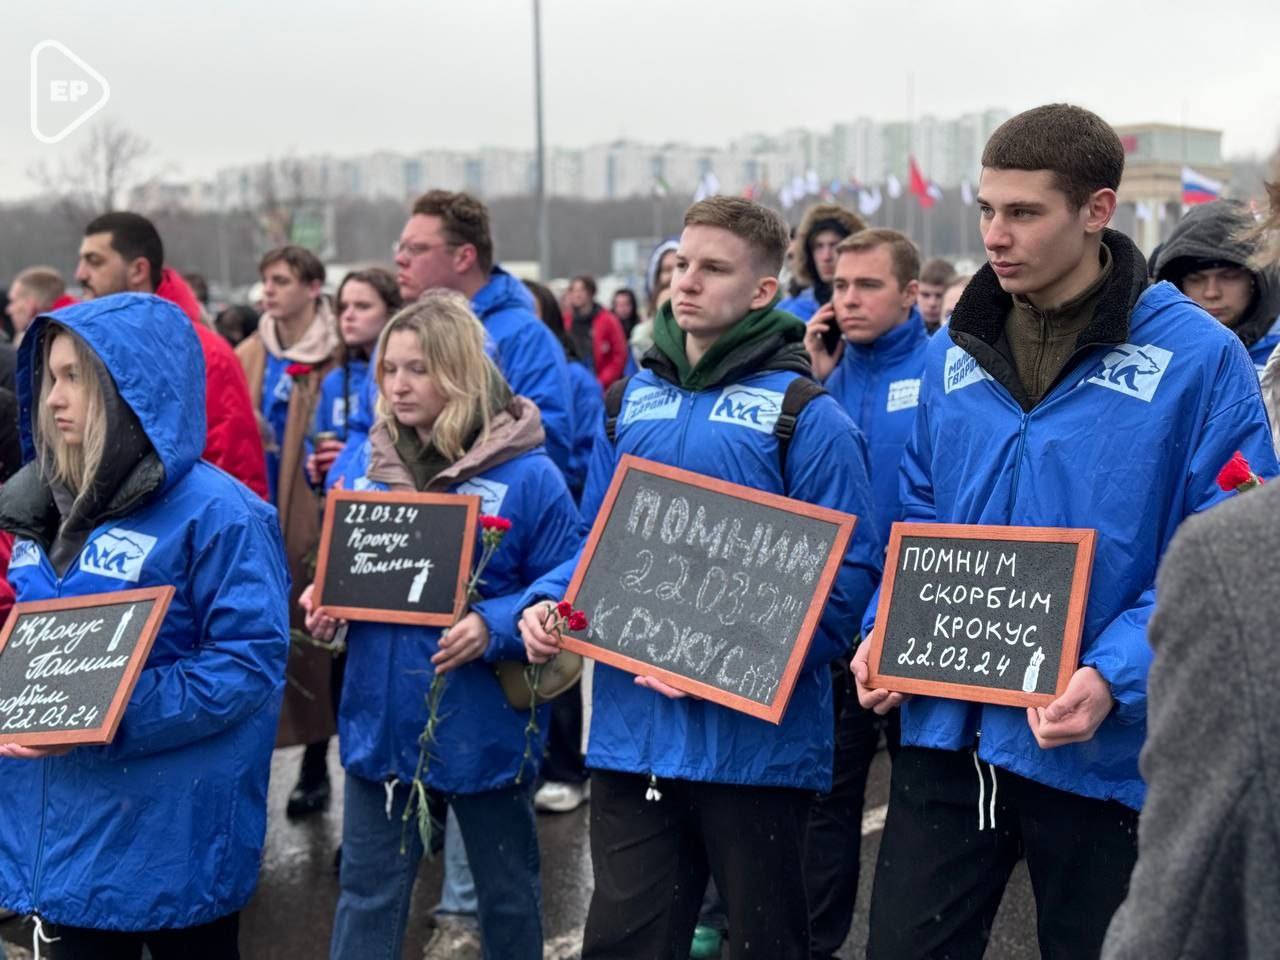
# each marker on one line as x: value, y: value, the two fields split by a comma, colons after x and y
x: 799, y: 392
x: 613, y: 407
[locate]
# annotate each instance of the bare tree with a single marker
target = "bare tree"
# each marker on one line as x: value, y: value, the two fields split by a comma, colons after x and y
x: 100, y: 174
x: 280, y: 194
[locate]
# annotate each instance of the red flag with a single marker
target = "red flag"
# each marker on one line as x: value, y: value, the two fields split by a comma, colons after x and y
x: 918, y: 184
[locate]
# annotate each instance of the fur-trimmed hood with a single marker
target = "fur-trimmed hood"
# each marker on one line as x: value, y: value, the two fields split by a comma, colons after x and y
x: 803, y: 267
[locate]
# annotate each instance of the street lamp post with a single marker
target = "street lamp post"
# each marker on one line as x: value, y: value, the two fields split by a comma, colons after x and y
x: 540, y: 185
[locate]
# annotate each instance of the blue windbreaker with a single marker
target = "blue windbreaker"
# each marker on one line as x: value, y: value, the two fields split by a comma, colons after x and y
x: 803, y: 305
x: 878, y: 384
x: 1261, y: 351
x: 481, y: 738
x: 529, y: 356
x: 639, y: 731
x: 164, y: 827
x: 338, y: 413
x: 588, y: 416
x: 1128, y: 442
x: 277, y: 388
x: 350, y: 421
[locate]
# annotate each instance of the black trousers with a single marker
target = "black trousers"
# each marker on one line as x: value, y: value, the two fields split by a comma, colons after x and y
x: 218, y: 940
x: 945, y: 859
x: 651, y: 861
x: 564, y: 763
x: 833, y: 838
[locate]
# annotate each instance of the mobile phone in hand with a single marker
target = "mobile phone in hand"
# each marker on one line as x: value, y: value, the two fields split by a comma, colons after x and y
x: 831, y: 336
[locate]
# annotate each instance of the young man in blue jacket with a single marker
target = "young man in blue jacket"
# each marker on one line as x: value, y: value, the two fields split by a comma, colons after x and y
x: 1065, y: 392
x: 681, y: 786
x: 874, y: 373
x: 446, y: 243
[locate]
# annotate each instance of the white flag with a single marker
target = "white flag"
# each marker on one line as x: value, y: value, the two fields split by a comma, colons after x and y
x: 868, y: 202
x: 811, y: 185
x: 785, y: 198
x: 966, y: 193
x: 894, y: 186
x: 934, y: 190
x: 1142, y: 211
x: 797, y: 187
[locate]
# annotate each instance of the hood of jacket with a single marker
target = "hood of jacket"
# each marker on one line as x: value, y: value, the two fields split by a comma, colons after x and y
x: 1211, y: 231
x: 178, y: 292
x: 153, y: 356
x: 655, y: 262
x: 502, y: 292
x: 765, y: 340
x: 514, y: 430
x: 818, y: 217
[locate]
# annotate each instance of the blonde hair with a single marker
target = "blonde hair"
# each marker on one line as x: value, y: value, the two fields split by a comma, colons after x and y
x: 452, y: 342
x: 1266, y: 233
x: 73, y: 466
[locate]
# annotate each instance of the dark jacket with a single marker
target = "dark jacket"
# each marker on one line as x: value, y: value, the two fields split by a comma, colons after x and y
x: 1208, y: 876
x: 1210, y: 232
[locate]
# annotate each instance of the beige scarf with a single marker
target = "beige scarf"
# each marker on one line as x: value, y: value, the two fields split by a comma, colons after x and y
x: 317, y: 344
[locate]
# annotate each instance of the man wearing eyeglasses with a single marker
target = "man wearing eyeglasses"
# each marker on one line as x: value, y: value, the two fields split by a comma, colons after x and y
x: 1204, y: 259
x: 447, y: 243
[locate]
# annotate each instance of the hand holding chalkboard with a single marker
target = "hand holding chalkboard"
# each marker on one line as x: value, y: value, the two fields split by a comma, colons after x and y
x: 983, y: 613
x: 704, y: 587
x: 69, y: 666
x: 395, y: 557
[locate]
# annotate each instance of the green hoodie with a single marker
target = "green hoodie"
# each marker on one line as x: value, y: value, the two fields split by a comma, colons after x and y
x: 758, y: 326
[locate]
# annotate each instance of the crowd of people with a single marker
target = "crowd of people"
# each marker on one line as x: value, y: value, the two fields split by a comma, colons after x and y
x: 1071, y: 381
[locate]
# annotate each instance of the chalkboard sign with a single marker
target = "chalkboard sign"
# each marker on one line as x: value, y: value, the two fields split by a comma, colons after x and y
x: 711, y: 587
x: 396, y: 557
x: 68, y: 666
x: 983, y: 613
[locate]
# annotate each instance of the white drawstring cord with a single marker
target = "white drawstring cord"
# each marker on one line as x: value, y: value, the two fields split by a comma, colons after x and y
x: 993, y: 795
x: 982, y: 794
x: 390, y: 786
x: 39, y: 936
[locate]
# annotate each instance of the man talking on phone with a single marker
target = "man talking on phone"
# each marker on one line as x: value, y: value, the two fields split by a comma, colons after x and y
x: 867, y: 347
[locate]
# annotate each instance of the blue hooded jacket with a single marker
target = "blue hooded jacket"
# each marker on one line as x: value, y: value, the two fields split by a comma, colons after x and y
x: 1129, y: 441
x: 529, y: 357
x: 640, y: 731
x: 350, y: 420
x: 588, y: 416
x: 164, y: 827
x: 481, y: 737
x: 803, y: 305
x: 1261, y: 351
x: 878, y: 384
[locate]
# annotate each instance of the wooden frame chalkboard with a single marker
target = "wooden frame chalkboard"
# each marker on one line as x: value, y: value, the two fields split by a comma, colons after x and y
x: 444, y: 614
x: 1080, y: 567
x: 837, y: 526
x: 105, y: 731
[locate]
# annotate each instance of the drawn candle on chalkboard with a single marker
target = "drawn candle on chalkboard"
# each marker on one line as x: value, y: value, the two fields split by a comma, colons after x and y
x: 119, y: 634
x: 1031, y: 678
x: 419, y: 582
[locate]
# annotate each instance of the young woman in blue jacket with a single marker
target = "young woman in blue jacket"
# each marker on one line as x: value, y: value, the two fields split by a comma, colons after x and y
x: 154, y: 839
x: 366, y: 300
x: 448, y: 422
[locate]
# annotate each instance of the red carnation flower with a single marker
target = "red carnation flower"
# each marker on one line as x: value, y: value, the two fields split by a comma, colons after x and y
x: 296, y: 370
x: 577, y: 620
x: 564, y: 608
x: 1237, y: 475
x: 495, y: 523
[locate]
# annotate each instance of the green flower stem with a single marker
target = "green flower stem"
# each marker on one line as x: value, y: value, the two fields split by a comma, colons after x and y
x: 416, y: 806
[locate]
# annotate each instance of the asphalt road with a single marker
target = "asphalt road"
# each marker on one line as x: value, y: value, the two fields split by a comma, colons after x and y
x: 291, y: 914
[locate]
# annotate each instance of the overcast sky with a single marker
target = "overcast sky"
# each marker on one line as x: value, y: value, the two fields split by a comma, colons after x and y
x: 213, y: 84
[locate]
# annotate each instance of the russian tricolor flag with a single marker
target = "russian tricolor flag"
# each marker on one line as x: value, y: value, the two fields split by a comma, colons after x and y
x: 1197, y: 188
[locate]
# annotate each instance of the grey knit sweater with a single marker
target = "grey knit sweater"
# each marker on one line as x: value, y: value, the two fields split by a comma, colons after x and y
x: 1207, y: 883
